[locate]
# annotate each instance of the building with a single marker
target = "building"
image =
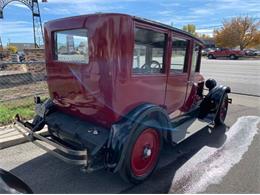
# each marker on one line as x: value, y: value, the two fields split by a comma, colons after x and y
x: 209, y: 42
x: 21, y: 46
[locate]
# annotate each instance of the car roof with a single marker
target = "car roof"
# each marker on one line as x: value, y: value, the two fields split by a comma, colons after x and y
x: 155, y: 23
x: 167, y: 27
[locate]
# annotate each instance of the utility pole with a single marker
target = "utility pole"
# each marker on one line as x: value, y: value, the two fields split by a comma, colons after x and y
x: 1, y: 45
x: 36, y: 18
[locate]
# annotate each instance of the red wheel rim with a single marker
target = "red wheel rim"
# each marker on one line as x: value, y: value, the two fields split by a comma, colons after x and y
x: 145, y: 152
x: 223, y: 109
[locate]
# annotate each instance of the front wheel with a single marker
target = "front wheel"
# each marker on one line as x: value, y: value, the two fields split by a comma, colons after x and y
x: 142, y: 153
x: 222, y: 112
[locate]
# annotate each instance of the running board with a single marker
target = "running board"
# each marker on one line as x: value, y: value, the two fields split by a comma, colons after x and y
x: 187, y: 129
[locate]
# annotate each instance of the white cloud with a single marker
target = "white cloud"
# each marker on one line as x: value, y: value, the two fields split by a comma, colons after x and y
x: 90, y: 1
x: 208, y: 32
x: 20, y: 5
x: 15, y: 27
x: 69, y: 8
x: 170, y: 4
x: 203, y: 11
x: 165, y: 13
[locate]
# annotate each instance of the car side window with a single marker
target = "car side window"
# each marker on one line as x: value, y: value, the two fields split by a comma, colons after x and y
x: 149, y: 51
x: 179, y: 55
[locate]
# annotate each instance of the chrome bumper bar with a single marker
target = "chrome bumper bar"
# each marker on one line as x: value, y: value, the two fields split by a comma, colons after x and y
x: 76, y: 157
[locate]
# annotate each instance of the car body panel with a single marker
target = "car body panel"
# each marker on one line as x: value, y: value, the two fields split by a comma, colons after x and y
x: 104, y: 90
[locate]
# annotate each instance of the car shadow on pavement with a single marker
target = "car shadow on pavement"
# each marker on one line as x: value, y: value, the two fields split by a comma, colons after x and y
x: 46, y: 174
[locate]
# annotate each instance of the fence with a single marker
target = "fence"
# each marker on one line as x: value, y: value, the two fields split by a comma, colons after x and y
x: 19, y: 83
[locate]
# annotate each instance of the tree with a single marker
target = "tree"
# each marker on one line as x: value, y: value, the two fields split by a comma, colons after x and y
x: 191, y: 28
x: 239, y: 31
x: 204, y: 36
x: 12, y: 49
x: 256, y: 41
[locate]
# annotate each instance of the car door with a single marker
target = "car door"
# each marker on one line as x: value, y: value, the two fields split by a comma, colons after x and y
x: 147, y: 82
x: 177, y: 75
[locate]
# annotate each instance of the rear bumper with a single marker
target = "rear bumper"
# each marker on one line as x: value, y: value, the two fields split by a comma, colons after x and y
x: 69, y: 138
x: 69, y: 155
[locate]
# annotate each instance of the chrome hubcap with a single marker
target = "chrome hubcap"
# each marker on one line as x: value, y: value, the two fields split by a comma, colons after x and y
x: 147, y: 152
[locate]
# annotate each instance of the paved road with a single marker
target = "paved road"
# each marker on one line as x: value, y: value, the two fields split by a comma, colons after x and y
x: 181, y: 167
x: 242, y: 76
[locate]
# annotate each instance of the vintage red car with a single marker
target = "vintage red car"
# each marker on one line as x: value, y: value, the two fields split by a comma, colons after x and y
x: 120, y: 86
x: 225, y: 52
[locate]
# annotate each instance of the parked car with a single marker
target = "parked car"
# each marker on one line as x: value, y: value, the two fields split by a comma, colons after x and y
x: 205, y: 52
x: 257, y: 52
x: 10, y: 184
x: 250, y: 52
x: 1, y: 56
x: 21, y: 58
x: 3, y: 66
x: 136, y: 87
x: 224, y: 52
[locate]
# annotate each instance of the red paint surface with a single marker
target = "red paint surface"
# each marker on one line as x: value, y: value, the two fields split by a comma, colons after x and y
x: 226, y: 52
x: 104, y: 89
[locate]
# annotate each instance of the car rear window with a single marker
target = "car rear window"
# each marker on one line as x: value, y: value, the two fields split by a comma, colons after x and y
x: 72, y: 46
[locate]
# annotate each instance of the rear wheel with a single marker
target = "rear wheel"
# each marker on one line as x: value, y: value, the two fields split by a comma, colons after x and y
x: 142, y: 153
x: 222, y: 112
x: 232, y: 57
x: 210, y: 56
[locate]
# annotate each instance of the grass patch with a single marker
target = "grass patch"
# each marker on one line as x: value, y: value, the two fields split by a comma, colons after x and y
x: 24, y: 107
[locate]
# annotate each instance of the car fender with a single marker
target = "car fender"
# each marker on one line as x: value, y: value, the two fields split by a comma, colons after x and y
x: 121, y: 132
x: 211, y: 103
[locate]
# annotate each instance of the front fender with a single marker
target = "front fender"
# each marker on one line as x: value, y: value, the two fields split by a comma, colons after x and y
x: 121, y: 132
x: 211, y: 103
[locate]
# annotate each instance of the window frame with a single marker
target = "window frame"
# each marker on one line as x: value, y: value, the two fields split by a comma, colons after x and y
x: 198, y: 63
x: 157, y: 29
x: 187, y: 56
x: 54, y: 47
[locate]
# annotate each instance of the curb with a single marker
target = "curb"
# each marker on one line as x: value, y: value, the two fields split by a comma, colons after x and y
x: 11, y: 137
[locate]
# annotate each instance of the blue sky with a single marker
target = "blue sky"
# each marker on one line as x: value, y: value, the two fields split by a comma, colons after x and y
x: 17, y: 23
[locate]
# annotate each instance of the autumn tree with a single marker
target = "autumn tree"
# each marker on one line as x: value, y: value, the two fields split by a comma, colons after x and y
x: 256, y: 41
x: 239, y: 31
x: 204, y: 36
x: 12, y: 49
x: 191, y: 28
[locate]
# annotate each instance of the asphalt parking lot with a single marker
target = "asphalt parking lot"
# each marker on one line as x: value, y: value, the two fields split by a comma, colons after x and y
x: 243, y: 76
x: 202, y: 163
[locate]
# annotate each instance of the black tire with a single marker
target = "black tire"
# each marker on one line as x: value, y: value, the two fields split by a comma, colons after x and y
x: 222, y: 112
x: 232, y: 57
x: 210, y: 56
x: 126, y: 171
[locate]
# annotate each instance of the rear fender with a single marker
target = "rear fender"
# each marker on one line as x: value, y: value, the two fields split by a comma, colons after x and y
x: 210, y: 105
x: 121, y: 132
